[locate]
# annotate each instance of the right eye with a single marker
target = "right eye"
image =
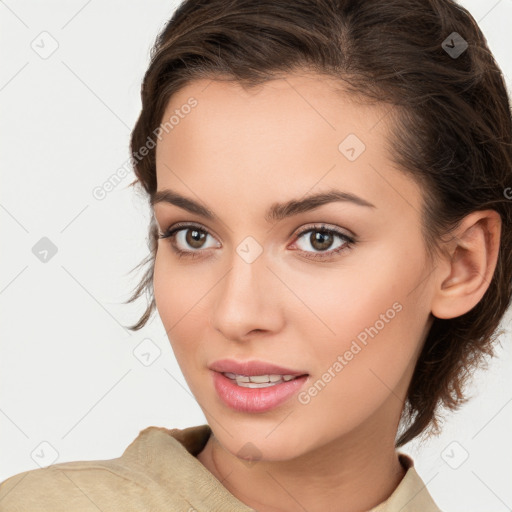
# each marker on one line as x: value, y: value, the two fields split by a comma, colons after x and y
x: 182, y: 237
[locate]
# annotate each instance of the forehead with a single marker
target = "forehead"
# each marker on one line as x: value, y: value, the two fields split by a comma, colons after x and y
x: 286, y: 136
x: 299, y: 106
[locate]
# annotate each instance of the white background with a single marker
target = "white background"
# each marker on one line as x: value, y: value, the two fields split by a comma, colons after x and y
x: 68, y: 373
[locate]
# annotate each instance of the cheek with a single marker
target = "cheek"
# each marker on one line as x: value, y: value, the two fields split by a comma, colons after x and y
x: 178, y: 287
x: 364, y: 368
x: 364, y: 330
x: 183, y: 296
x: 368, y: 295
x: 178, y: 291
x: 166, y: 286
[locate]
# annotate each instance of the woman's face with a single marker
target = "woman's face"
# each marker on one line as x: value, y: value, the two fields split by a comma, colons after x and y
x: 274, y: 288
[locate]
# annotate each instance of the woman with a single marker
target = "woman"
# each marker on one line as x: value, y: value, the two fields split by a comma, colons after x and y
x: 330, y: 253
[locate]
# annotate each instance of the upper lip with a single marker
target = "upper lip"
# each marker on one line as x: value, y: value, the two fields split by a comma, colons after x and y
x: 253, y: 367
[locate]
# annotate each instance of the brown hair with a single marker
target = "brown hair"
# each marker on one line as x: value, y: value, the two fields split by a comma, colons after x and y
x: 452, y: 131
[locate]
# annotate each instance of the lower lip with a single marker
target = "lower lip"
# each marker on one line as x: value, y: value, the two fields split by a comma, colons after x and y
x: 255, y: 399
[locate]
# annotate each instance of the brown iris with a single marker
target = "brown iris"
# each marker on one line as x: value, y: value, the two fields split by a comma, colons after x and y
x: 194, y: 238
x: 320, y: 240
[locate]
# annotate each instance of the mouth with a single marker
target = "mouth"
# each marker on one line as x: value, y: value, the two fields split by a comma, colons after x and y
x: 255, y: 386
x: 259, y: 381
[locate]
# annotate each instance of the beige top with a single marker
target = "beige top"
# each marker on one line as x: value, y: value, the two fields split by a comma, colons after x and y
x: 159, y: 471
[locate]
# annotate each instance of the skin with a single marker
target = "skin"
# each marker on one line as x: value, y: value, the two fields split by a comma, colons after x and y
x: 237, y: 153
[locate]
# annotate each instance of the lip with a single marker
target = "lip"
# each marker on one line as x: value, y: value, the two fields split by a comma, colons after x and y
x: 252, y: 367
x: 255, y: 400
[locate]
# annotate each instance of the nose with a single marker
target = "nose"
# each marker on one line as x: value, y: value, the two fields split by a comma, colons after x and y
x: 248, y: 300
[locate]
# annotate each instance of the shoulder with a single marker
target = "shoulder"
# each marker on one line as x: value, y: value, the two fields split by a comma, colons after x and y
x: 130, y: 482
x: 77, y: 485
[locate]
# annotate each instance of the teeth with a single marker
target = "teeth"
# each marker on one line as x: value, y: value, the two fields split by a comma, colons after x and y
x: 258, y: 381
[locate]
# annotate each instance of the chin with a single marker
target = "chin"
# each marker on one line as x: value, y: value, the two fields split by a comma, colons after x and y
x: 262, y: 443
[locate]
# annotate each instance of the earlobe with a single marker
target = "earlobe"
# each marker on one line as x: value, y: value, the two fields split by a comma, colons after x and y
x: 465, y: 276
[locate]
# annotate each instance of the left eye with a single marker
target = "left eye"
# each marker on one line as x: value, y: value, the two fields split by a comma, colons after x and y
x: 321, y: 240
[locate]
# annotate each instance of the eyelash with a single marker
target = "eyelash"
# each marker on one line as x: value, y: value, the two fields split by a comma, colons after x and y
x: 322, y: 228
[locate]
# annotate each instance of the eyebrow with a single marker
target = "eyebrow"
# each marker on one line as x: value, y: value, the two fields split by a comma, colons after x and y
x: 276, y: 212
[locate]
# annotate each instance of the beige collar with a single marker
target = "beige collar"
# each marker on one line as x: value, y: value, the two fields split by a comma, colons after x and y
x: 206, y: 492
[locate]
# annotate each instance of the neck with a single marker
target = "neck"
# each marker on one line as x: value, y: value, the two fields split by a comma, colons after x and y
x: 354, y: 472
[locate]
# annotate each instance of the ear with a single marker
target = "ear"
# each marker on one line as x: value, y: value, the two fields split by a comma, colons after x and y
x: 465, y: 273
